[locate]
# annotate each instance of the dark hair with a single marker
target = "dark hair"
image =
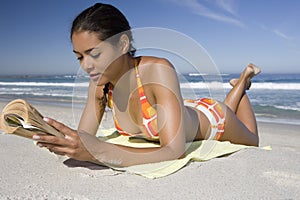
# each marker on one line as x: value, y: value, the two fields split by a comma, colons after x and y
x: 105, y: 20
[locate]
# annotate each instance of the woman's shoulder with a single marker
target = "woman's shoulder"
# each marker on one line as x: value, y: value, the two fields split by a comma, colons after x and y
x: 157, y: 70
x: 155, y: 67
x: 155, y: 61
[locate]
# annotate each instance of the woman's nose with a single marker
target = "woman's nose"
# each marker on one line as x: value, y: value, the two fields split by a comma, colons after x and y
x: 87, y: 64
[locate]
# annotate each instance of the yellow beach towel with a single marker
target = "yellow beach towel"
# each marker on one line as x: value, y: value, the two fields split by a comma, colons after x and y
x: 196, y: 151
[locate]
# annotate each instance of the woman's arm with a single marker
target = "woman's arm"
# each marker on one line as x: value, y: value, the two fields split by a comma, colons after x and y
x: 82, y: 146
x: 93, y: 111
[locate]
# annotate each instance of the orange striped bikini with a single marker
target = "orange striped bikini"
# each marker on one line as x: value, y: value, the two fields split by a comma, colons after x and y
x: 214, y: 113
x: 149, y: 113
x: 209, y: 107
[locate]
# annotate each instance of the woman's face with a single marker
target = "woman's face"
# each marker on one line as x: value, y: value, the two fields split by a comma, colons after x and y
x: 96, y: 57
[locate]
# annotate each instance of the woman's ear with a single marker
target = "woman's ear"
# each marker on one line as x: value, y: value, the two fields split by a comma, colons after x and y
x: 124, y: 43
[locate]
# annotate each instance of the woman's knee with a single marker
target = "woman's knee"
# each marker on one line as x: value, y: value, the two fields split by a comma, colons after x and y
x: 236, y: 132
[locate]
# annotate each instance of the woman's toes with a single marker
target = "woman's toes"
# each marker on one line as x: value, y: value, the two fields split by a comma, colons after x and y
x: 256, y: 70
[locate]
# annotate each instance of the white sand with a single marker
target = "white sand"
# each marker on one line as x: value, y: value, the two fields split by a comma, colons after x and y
x: 29, y: 172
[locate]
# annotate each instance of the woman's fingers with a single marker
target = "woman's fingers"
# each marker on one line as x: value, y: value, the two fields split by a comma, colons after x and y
x: 59, y: 126
x: 59, y: 150
x: 69, y: 145
x: 79, y: 153
x: 43, y: 138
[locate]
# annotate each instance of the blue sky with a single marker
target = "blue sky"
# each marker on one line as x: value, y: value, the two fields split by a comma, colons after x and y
x: 34, y: 34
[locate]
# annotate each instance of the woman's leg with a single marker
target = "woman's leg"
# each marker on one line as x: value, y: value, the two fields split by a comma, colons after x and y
x: 235, y: 95
x: 244, y: 110
x: 238, y: 101
x: 243, y: 127
x: 236, y: 132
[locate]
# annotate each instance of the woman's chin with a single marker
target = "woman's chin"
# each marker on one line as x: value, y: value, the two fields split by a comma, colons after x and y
x: 101, y: 81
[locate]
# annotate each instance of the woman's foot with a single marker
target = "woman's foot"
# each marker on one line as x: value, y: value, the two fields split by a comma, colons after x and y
x: 252, y: 70
x: 249, y: 72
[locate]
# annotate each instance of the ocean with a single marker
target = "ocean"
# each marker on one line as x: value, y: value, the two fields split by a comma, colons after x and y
x: 275, y: 97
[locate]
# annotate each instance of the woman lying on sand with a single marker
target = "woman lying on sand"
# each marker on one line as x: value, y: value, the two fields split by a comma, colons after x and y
x: 145, y: 97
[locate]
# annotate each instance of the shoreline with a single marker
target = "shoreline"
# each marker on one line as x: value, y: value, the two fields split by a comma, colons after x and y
x: 79, y: 105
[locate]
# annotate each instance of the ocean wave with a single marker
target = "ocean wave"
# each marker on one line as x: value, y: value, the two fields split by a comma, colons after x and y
x: 296, y: 106
x: 43, y: 95
x: 202, y: 85
x: 278, y: 120
x: 44, y: 84
x: 260, y: 86
x: 39, y: 84
x: 191, y: 85
x: 265, y: 115
x: 276, y: 86
x: 39, y: 94
x: 205, y: 74
x: 288, y: 108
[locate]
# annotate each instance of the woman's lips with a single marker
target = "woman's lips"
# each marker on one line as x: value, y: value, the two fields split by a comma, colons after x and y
x: 95, y: 77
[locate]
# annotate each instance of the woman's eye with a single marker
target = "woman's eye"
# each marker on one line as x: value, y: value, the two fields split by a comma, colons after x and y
x: 95, y: 55
x: 79, y: 58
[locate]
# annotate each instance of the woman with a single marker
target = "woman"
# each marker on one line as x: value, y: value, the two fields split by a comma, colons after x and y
x: 144, y: 95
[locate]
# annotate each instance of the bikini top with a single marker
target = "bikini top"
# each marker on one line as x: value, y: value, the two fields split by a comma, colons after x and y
x: 149, y: 113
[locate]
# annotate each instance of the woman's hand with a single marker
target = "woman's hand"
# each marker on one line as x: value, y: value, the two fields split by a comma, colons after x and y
x: 71, y: 145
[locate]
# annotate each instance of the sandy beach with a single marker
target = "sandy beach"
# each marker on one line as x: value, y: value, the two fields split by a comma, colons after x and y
x: 30, y: 172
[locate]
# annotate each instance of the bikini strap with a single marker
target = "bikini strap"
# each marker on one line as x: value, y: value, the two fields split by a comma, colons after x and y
x: 110, y: 87
x: 138, y: 78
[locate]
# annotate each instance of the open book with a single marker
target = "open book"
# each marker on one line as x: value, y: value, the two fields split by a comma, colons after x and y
x: 20, y: 118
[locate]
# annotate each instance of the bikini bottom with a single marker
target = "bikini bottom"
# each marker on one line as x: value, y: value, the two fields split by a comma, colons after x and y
x: 214, y: 113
